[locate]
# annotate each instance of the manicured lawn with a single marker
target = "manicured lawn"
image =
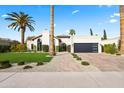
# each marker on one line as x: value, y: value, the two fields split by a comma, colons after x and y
x: 27, y: 57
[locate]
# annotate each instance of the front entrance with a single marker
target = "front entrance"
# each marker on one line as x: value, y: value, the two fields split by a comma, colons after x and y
x: 63, y: 47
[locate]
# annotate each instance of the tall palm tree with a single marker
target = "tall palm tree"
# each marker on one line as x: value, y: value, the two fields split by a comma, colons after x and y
x: 72, y: 33
x: 20, y: 21
x: 122, y: 29
x: 52, y: 43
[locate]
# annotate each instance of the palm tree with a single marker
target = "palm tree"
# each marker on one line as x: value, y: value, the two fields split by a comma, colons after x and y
x: 72, y: 33
x: 121, y: 28
x: 52, y: 44
x: 20, y: 21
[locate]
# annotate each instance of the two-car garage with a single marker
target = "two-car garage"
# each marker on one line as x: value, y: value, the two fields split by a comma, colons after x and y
x: 86, y: 47
x: 86, y: 44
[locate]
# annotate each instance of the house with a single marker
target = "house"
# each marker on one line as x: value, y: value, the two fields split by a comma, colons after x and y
x: 111, y: 41
x: 5, y: 41
x: 74, y: 44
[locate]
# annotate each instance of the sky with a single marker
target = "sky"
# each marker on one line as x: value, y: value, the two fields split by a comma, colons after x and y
x: 66, y: 17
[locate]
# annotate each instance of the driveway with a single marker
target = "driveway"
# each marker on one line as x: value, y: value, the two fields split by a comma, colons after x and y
x: 62, y: 62
x: 104, y: 62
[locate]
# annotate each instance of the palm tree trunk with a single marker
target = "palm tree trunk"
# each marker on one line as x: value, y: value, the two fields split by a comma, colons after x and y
x: 122, y: 29
x: 52, y: 44
x: 22, y: 30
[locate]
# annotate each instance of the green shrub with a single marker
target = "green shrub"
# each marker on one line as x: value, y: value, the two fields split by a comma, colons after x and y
x: 40, y: 63
x: 110, y: 48
x: 45, y: 48
x: 18, y: 48
x: 78, y: 58
x: 85, y: 63
x: 72, y: 54
x: 27, y: 67
x: 5, y: 64
x: 75, y: 55
x: 4, y: 48
x: 21, y: 63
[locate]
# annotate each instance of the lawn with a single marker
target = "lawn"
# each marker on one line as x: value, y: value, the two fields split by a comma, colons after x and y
x: 27, y: 57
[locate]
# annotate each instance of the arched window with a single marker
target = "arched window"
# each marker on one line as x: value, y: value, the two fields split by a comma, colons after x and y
x: 39, y: 45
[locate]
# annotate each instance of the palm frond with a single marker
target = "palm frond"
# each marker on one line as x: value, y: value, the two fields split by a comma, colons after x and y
x: 30, y: 27
x: 20, y: 20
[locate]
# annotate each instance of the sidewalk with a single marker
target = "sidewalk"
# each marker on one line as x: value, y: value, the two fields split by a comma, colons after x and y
x: 61, y: 79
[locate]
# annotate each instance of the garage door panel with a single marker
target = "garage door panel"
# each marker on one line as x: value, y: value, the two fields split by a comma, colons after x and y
x: 86, y: 47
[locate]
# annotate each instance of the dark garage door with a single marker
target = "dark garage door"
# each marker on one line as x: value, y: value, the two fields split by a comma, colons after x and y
x: 86, y: 47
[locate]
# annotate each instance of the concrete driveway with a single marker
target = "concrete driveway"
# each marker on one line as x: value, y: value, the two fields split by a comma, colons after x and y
x: 104, y: 62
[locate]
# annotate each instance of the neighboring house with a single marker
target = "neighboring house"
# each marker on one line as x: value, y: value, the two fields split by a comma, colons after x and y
x: 92, y: 44
x: 111, y: 41
x: 5, y: 41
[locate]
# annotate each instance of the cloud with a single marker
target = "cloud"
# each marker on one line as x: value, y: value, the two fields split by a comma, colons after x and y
x: 100, y: 6
x: 75, y: 11
x: 113, y: 20
x: 115, y: 15
x: 4, y: 15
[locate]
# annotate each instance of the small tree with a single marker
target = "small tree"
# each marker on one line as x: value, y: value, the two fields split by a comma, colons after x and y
x: 91, y: 32
x: 104, y: 35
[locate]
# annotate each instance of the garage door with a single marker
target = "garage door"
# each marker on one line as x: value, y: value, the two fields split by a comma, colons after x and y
x: 86, y: 47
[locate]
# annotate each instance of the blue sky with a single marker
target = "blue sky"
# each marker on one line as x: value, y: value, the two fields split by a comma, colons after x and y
x: 81, y: 18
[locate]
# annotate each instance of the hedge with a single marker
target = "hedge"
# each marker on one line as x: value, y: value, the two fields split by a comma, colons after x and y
x: 4, y: 48
x: 45, y: 48
x: 110, y: 48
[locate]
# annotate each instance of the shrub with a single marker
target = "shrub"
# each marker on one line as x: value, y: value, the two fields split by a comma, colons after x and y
x: 27, y: 67
x: 18, y: 48
x: 21, y: 63
x: 75, y: 55
x: 40, y: 63
x: 85, y: 63
x: 4, y: 48
x: 5, y: 64
x: 45, y: 48
x: 110, y: 48
x: 78, y: 58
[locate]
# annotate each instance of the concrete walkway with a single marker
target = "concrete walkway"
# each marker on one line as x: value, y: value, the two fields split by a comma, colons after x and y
x: 61, y: 79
